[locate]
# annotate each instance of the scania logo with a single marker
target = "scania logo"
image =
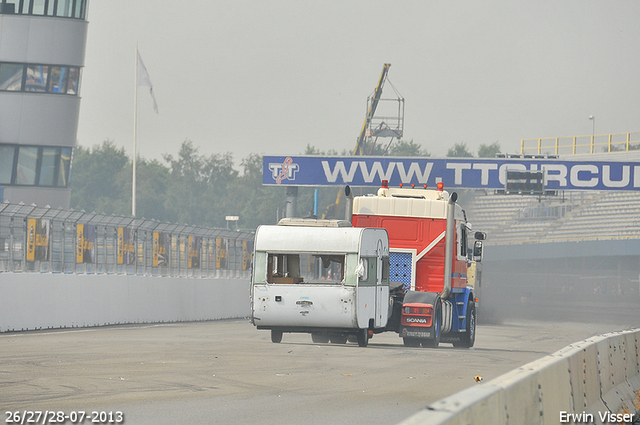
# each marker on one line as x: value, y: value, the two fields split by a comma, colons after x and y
x: 416, y: 320
x: 285, y: 171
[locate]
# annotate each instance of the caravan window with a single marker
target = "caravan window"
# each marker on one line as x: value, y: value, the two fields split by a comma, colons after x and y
x: 327, y: 268
x: 305, y: 268
x: 369, y: 271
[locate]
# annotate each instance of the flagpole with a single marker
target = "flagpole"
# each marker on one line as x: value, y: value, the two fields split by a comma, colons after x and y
x: 135, y: 137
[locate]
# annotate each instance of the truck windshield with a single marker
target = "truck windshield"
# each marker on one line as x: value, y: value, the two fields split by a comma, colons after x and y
x: 305, y: 268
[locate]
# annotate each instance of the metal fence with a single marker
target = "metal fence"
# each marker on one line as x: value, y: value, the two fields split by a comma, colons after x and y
x: 47, y: 240
x: 581, y: 144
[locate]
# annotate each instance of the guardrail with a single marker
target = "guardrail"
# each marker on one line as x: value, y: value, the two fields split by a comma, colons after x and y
x: 593, y: 381
x: 581, y: 144
x: 43, y: 239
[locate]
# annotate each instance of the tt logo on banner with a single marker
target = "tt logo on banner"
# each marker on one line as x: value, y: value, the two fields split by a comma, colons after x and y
x: 285, y: 171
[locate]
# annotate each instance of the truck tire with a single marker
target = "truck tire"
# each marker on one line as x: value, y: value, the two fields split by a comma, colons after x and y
x: 468, y: 337
x: 437, y: 326
x: 276, y: 336
x: 363, y: 337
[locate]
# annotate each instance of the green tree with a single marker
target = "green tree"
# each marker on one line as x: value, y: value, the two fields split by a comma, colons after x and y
x: 254, y: 203
x: 312, y: 150
x: 374, y: 148
x: 459, y: 150
x: 97, y: 179
x: 152, y: 181
x: 621, y: 147
x: 488, y: 151
x: 404, y: 148
x: 197, y: 192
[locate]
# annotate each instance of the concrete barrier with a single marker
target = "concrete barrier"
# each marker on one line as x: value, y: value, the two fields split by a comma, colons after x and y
x: 586, y: 382
x: 47, y: 301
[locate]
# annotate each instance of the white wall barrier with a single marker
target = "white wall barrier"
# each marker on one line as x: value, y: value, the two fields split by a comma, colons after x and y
x: 52, y: 300
x: 595, y: 381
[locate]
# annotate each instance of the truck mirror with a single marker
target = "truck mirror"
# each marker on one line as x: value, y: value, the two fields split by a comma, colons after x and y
x: 481, y: 236
x: 477, y: 251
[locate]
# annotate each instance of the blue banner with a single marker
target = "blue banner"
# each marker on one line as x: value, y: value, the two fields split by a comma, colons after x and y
x: 474, y: 173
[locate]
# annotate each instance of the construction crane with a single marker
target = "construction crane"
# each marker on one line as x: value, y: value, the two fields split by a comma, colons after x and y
x: 373, y: 105
x: 333, y: 209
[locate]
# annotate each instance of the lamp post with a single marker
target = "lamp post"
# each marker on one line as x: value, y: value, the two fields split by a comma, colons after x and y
x: 593, y: 131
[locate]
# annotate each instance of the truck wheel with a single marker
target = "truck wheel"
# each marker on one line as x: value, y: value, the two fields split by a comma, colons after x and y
x: 276, y: 336
x: 468, y: 337
x: 435, y: 341
x: 363, y: 337
x: 320, y: 338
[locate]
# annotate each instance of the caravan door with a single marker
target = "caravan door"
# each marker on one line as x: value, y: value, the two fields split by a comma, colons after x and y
x: 373, y: 287
x: 382, y: 285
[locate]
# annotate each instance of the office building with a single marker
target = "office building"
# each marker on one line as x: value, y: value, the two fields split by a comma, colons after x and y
x: 42, y: 51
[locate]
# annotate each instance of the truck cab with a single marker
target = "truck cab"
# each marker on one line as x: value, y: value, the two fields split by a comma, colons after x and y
x: 428, y: 238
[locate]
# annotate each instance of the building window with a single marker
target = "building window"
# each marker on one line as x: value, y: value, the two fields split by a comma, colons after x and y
x: 79, y: 8
x: 57, y: 80
x: 7, y: 158
x: 27, y: 166
x: 39, y: 7
x: 74, y: 78
x: 11, y: 6
x: 34, y: 165
x: 48, y: 166
x: 64, y: 167
x: 11, y: 76
x: 36, y: 78
x: 58, y: 8
x: 65, y: 8
x: 39, y: 78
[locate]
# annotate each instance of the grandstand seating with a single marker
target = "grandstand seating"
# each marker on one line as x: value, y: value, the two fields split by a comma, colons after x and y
x: 577, y: 216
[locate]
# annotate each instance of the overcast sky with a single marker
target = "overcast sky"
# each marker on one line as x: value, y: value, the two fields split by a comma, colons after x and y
x: 270, y: 77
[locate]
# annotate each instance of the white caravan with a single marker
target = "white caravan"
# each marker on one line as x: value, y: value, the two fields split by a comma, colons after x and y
x: 321, y: 277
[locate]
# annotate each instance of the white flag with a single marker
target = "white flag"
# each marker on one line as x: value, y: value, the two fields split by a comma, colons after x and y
x: 145, y: 80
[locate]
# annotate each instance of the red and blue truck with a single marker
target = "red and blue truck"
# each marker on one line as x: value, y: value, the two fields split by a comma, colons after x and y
x: 429, y: 272
x: 431, y: 256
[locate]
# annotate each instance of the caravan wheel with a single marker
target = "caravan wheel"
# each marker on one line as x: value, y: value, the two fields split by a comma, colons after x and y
x: 276, y: 336
x: 363, y: 337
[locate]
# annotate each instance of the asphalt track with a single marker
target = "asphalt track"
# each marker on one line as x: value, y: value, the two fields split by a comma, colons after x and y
x: 227, y: 372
